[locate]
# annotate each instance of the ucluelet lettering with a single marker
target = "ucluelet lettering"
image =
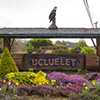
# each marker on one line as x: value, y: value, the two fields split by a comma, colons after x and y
x: 53, y: 62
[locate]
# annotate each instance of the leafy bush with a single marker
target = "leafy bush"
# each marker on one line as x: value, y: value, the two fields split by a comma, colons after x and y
x: 97, y: 91
x: 60, y: 78
x: 87, y: 50
x: 67, y: 89
x: 27, y: 78
x: 7, y: 64
x: 63, y: 79
x: 62, y: 51
x: 82, y: 43
x: 78, y: 47
x: 36, y: 43
x: 79, y: 80
x: 93, y: 76
x: 36, y: 89
x: 83, y: 96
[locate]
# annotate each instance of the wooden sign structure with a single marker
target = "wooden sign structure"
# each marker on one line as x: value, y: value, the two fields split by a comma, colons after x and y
x: 10, y: 33
x: 53, y: 48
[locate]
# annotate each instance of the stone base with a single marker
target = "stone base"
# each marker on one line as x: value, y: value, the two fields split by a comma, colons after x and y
x: 53, y: 26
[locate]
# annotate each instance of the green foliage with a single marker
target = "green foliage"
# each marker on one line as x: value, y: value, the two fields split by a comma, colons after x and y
x: 4, y: 88
x: 27, y: 78
x: 78, y: 47
x: 82, y: 43
x: 97, y: 91
x: 62, y: 51
x: 36, y: 43
x: 87, y: 50
x: 7, y: 64
x: 29, y: 47
x: 83, y: 96
x: 68, y: 44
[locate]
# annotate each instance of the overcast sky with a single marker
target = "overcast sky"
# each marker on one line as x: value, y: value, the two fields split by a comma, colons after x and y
x: 34, y: 13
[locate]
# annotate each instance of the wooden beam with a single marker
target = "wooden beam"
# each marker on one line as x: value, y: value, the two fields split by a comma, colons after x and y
x: 7, y: 43
x: 12, y: 42
x: 98, y: 46
x: 94, y: 44
x: 98, y: 49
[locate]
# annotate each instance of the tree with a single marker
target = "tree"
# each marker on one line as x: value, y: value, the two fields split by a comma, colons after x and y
x: 39, y: 42
x: 82, y: 43
x: 7, y: 64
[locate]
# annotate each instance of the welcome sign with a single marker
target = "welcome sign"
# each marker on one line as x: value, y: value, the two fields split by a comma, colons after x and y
x: 59, y: 61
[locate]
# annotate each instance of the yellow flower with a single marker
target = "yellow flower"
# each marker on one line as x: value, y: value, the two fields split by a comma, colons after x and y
x: 71, y: 75
x: 67, y: 85
x: 52, y: 83
x: 9, y: 83
x: 93, y: 82
x: 57, y: 86
x: 86, y: 87
x: 40, y: 84
x: 17, y: 84
x: 47, y: 82
x: 4, y: 81
x: 31, y: 69
x: 84, y: 83
x: 51, y: 80
x: 79, y: 69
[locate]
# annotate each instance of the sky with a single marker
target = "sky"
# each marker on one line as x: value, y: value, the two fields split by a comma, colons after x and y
x: 34, y: 14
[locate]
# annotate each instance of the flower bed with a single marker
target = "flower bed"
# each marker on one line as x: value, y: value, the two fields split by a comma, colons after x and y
x: 54, y: 84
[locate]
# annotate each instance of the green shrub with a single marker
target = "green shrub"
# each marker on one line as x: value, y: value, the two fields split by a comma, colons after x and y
x: 87, y: 50
x: 7, y: 64
x: 27, y: 78
x: 62, y: 51
x: 97, y: 91
x: 83, y: 96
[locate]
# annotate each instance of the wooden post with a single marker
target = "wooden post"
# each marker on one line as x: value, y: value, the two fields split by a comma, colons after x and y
x: 98, y: 49
x: 7, y: 43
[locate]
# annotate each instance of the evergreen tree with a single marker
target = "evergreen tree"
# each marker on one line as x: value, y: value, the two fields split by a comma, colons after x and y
x: 7, y: 64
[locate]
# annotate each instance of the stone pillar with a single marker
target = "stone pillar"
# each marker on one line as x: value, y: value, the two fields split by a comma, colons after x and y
x: 7, y: 43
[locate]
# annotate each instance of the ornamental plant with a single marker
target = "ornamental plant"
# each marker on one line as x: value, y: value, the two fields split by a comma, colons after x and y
x: 87, y: 50
x: 42, y: 90
x: 83, y: 96
x: 60, y: 78
x: 27, y: 78
x: 24, y: 78
x: 7, y: 64
x: 67, y: 89
x: 93, y: 76
x: 79, y: 80
x: 40, y: 78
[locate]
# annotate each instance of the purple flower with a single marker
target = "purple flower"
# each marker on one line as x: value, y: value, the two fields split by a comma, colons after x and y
x: 79, y: 80
x: 93, y: 75
x: 60, y: 78
x: 73, y: 88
